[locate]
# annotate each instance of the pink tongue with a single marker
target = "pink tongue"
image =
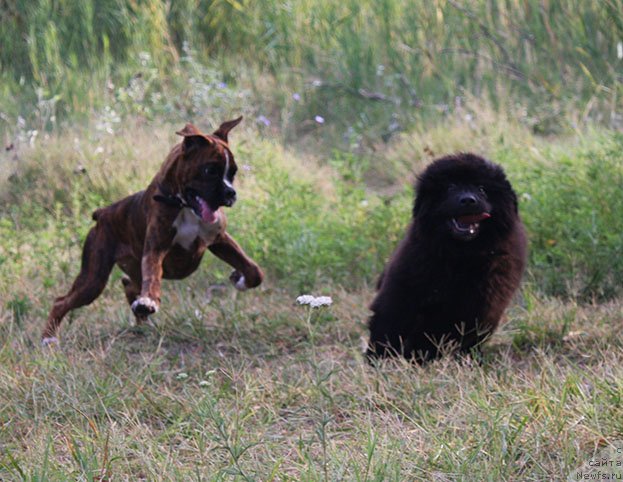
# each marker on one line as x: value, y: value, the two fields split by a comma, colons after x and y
x: 473, y: 218
x: 206, y: 213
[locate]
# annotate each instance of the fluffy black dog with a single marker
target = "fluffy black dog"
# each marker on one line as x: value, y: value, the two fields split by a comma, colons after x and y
x: 451, y: 278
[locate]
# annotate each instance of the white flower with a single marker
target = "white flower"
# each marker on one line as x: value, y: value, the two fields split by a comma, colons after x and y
x: 321, y: 301
x: 314, y: 301
x: 204, y: 383
x: 182, y: 376
x: 319, y: 119
x: 305, y: 299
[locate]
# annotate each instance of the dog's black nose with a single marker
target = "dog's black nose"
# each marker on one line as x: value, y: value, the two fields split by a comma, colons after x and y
x: 229, y: 193
x: 467, y: 199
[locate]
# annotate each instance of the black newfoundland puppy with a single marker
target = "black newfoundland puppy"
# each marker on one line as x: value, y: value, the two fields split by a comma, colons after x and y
x: 447, y: 285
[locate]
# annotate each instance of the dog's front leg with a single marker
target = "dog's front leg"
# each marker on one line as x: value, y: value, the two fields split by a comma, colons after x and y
x: 247, y: 273
x: 151, y: 273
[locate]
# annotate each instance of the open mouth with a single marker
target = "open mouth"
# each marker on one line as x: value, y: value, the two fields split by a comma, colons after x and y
x: 467, y: 226
x: 201, y: 208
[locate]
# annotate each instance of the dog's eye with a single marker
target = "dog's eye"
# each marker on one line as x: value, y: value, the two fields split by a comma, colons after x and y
x: 451, y: 186
x: 482, y: 190
x: 208, y: 170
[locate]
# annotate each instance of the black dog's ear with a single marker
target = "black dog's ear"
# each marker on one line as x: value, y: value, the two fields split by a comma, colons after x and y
x: 515, y: 201
x: 419, y: 198
x: 193, y: 138
x: 417, y: 207
x: 225, y: 127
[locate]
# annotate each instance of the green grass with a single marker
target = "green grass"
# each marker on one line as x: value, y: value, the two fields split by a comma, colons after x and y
x: 362, y: 65
x: 251, y: 386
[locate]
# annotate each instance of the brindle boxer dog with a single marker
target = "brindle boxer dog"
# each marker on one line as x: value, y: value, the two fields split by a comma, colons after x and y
x: 163, y: 231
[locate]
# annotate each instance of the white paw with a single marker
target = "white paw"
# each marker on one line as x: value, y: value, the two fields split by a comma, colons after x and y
x: 144, y: 305
x: 240, y: 284
x: 50, y: 341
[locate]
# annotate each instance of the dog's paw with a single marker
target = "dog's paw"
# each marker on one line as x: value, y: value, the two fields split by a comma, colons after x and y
x: 144, y: 306
x: 50, y: 342
x: 237, y: 278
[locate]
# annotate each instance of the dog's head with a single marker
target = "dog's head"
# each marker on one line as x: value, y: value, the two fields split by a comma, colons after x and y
x: 465, y: 197
x: 201, y: 170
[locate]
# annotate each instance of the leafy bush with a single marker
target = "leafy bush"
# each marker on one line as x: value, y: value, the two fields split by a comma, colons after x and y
x: 313, y: 221
x: 571, y: 203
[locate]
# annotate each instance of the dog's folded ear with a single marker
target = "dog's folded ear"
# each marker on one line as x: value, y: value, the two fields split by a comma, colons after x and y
x: 225, y: 127
x: 189, y: 130
x: 192, y: 138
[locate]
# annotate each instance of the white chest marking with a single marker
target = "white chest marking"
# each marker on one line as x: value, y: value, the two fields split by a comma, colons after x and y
x: 189, y: 227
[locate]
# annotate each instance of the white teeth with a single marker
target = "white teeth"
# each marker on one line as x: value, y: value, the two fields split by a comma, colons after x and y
x: 471, y: 228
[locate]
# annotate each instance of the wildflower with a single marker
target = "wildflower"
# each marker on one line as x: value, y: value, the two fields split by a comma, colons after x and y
x: 319, y: 119
x: 182, y: 376
x: 304, y: 299
x: 321, y: 301
x: 263, y: 120
x: 144, y: 58
x: 204, y: 383
x: 313, y: 301
x: 296, y: 96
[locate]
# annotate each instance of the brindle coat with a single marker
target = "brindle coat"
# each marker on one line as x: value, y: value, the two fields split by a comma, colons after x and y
x: 156, y: 233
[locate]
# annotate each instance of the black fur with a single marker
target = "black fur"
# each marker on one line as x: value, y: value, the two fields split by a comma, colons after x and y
x: 451, y: 278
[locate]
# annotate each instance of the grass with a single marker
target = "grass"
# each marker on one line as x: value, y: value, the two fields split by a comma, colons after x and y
x: 557, y: 61
x: 344, y: 103
x: 251, y: 386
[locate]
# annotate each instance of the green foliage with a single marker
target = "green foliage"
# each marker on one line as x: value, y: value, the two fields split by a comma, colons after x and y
x: 361, y: 65
x: 20, y: 306
x: 571, y: 204
x: 314, y: 222
x: 309, y: 233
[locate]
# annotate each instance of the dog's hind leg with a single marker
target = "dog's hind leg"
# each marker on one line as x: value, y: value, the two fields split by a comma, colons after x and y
x: 98, y: 259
